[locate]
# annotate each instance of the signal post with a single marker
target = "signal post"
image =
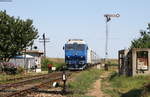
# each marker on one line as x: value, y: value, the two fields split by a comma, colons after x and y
x: 108, y: 18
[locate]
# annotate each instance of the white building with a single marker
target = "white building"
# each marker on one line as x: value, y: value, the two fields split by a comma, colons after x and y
x: 25, y: 61
x: 30, y: 60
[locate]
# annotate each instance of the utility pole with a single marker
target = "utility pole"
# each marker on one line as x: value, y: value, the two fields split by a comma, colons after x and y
x: 108, y: 18
x: 44, y: 40
x: 25, y: 63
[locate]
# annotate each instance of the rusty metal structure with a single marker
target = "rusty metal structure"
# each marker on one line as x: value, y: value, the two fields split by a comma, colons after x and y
x: 134, y: 61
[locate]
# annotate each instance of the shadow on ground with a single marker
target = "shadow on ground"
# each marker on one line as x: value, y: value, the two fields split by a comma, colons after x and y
x: 133, y: 93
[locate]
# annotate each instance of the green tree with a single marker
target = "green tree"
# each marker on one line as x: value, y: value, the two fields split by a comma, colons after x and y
x: 143, y: 41
x: 45, y: 62
x: 15, y: 35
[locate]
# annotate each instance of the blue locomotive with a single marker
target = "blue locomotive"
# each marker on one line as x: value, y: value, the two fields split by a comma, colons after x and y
x: 78, y: 56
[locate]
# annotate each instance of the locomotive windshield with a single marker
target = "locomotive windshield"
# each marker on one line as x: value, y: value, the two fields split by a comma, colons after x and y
x: 69, y: 47
x: 75, y: 46
x: 80, y: 47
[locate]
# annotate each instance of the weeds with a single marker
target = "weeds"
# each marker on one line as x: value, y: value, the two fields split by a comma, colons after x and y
x: 83, y: 82
x: 122, y: 86
x: 46, y: 61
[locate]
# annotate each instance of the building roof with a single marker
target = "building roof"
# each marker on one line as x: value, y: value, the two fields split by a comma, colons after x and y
x: 24, y: 56
x: 33, y: 51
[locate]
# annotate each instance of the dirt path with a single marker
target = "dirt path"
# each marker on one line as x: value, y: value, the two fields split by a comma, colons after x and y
x: 96, y: 90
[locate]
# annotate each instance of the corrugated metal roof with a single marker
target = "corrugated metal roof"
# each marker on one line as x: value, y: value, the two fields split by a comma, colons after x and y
x: 24, y: 56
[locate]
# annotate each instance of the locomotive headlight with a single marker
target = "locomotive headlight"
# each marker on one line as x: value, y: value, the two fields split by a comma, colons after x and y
x: 81, y: 56
x: 68, y: 56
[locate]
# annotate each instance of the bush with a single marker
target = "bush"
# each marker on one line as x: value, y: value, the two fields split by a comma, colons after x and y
x: 59, y: 65
x: 45, y: 63
x: 8, y: 68
x: 20, y: 69
x: 1, y: 67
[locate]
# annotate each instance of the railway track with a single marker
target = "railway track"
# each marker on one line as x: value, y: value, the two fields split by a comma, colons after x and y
x: 20, y: 78
x: 26, y: 86
x: 26, y: 81
x: 31, y: 88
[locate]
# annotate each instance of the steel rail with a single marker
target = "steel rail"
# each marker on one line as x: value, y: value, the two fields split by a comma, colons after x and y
x: 32, y: 88
x: 5, y: 86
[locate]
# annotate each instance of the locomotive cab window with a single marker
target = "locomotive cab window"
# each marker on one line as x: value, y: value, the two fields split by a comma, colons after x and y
x: 75, y: 46
x: 80, y: 47
x: 69, y: 47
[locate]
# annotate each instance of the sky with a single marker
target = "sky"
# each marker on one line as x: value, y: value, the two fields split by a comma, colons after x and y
x: 61, y: 20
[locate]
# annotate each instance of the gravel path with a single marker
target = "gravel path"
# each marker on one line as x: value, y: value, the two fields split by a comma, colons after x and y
x: 55, y: 92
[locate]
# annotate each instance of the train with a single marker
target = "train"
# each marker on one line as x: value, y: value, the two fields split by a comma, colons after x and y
x: 78, y: 56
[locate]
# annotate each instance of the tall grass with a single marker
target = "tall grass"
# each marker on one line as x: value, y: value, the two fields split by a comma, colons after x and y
x: 46, y: 61
x: 83, y: 82
x: 122, y: 86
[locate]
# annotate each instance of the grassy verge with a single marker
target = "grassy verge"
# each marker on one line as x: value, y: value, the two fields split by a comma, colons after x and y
x: 122, y: 86
x: 83, y: 81
x: 4, y: 78
x: 58, y: 63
